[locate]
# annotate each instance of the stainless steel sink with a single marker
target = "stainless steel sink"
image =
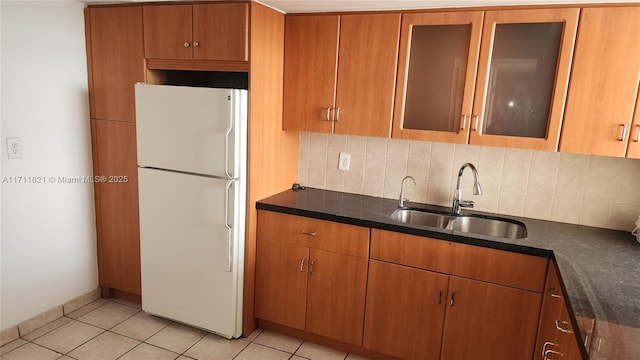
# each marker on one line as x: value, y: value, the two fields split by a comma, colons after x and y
x: 507, y: 229
x: 501, y: 228
x: 419, y: 217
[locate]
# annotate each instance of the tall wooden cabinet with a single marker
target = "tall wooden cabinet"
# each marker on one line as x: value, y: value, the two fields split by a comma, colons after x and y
x: 116, y: 63
x: 340, y: 73
x: 603, y: 93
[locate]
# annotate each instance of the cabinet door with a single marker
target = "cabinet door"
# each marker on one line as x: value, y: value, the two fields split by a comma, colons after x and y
x: 167, y: 31
x: 552, y: 305
x: 634, y: 142
x: 405, y: 311
x: 436, y: 76
x: 486, y: 321
x: 604, y: 82
x: 336, y: 296
x: 221, y: 31
x: 114, y: 147
x: 523, y: 73
x: 310, y: 70
x: 281, y: 282
x: 367, y: 62
x: 116, y: 60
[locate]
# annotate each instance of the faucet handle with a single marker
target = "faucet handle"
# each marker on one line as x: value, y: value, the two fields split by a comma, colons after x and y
x: 466, y: 203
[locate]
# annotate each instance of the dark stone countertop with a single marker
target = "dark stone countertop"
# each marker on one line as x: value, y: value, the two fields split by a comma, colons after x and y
x: 600, y: 268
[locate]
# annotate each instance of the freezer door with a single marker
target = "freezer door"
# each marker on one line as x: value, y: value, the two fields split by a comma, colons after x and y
x: 186, y: 251
x: 189, y: 129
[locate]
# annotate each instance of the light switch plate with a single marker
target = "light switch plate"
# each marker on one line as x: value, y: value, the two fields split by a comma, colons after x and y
x: 344, y: 162
x: 14, y: 148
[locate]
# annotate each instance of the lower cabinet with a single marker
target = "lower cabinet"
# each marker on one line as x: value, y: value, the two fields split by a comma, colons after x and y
x: 556, y: 338
x: 311, y: 275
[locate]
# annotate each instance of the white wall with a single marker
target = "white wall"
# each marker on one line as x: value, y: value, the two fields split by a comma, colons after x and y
x: 48, y: 244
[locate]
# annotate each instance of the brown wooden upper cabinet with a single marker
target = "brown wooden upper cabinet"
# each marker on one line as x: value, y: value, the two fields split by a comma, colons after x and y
x: 498, y: 78
x: 603, y: 92
x: 200, y: 31
x: 340, y: 73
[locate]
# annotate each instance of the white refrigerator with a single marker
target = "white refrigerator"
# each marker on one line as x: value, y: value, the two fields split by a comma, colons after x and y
x: 192, y: 180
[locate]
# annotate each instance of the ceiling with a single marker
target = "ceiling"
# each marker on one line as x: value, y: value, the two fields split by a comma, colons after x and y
x: 296, y: 6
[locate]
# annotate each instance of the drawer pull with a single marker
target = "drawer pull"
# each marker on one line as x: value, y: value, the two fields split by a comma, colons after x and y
x: 560, y: 328
x: 310, y: 233
x: 302, y: 265
x: 548, y: 343
x: 453, y: 298
x: 624, y: 132
x: 554, y: 293
x: 637, y: 139
x: 440, y: 297
x: 311, y: 267
x: 548, y: 352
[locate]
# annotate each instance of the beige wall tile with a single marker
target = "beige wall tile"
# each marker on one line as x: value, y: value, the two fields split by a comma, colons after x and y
x: 357, y: 164
x: 374, y: 165
x: 37, y: 321
x: 419, y: 169
x: 566, y: 209
x: 416, y: 193
x: 545, y: 161
x: 511, y: 203
x: 542, y: 182
x: 377, y: 146
x: 106, y: 346
x: 356, y: 144
x: 515, y: 180
x: 333, y: 159
x: 601, y: 178
x: 419, y: 150
x: 317, y: 178
x: 487, y: 202
x: 335, y: 180
x: 624, y: 217
x: 81, y: 301
x: 441, y: 163
x: 572, y: 176
x: 538, y: 206
x: 491, y: 161
x: 465, y: 154
x: 373, y: 185
x: 392, y: 184
x: 8, y: 335
x: 354, y: 183
x: 628, y: 180
x: 517, y: 159
x: 594, y: 213
x: 439, y: 193
x: 337, y: 142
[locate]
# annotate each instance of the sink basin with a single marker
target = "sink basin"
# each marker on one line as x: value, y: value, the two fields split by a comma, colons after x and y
x: 419, y: 217
x: 501, y: 228
x: 507, y: 229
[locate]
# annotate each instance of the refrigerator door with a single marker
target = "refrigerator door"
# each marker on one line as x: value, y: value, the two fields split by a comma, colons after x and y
x: 189, y: 129
x: 191, y: 272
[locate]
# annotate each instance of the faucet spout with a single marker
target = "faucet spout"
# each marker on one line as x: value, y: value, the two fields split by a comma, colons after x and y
x: 402, y: 198
x: 458, y: 203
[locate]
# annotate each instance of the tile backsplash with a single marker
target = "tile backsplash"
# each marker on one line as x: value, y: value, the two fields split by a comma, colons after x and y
x: 578, y: 189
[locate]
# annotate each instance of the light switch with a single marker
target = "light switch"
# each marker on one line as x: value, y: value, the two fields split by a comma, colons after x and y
x: 344, y: 162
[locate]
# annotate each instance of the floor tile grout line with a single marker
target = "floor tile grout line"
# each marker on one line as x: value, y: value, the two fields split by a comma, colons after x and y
x: 194, y: 344
x: 241, y: 350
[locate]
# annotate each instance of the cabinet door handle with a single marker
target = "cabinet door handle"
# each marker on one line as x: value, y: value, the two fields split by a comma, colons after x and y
x: 440, y: 297
x: 624, y: 132
x: 464, y: 122
x: 186, y: 44
x: 310, y: 233
x: 302, y: 265
x: 328, y: 118
x: 546, y: 354
x: 453, y: 298
x: 196, y: 44
x: 560, y: 328
x: 637, y: 139
x: 554, y: 293
x: 548, y: 343
x: 476, y: 119
x: 336, y: 114
x: 311, y: 266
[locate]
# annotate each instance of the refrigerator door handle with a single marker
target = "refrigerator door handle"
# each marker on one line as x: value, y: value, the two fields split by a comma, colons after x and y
x: 226, y: 146
x: 227, y: 225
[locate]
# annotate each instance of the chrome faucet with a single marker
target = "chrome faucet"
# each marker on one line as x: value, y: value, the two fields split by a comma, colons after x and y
x: 402, y: 199
x: 458, y: 203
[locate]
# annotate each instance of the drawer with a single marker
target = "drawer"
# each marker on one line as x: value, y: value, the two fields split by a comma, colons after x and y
x: 314, y: 233
x: 417, y: 251
x: 497, y: 266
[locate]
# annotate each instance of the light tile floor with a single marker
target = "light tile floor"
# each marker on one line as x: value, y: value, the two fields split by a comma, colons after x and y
x: 115, y: 329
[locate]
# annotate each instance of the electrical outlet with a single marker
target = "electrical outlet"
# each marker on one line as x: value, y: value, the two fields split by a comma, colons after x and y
x: 344, y: 162
x: 14, y: 148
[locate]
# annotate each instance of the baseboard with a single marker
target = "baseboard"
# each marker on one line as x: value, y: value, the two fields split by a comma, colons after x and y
x: 27, y: 326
